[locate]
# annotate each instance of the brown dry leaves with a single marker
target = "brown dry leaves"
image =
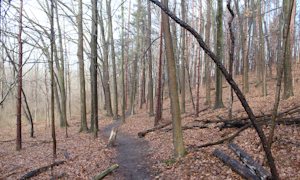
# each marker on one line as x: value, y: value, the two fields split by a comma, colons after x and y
x: 87, y: 157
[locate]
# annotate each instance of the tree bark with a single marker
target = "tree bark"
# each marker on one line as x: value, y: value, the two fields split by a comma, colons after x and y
x: 262, y: 50
x: 83, y: 124
x: 105, y: 66
x: 179, y: 150
x: 122, y: 67
x: 236, y: 166
x: 106, y: 172
x: 183, y: 57
x: 250, y: 163
x: 150, y: 86
x: 134, y: 74
x: 206, y: 57
x: 159, y: 78
x: 94, y: 97
x: 219, y: 89
x: 52, y: 80
x: 288, y: 78
x: 111, y: 36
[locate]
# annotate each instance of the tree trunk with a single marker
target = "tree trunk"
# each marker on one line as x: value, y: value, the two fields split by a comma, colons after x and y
x: 134, y: 84
x: 158, y: 92
x: 231, y: 57
x: 19, y: 97
x: 105, y: 66
x: 60, y: 65
x: 288, y: 78
x: 126, y: 60
x: 52, y: 81
x: 122, y: 67
x: 94, y: 97
x: 219, y: 89
x: 150, y: 86
x: 183, y: 57
x: 262, y: 50
x: 111, y: 36
x: 179, y: 150
x: 206, y: 57
x: 83, y: 124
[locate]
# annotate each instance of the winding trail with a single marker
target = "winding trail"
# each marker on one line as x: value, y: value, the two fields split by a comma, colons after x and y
x: 133, y: 156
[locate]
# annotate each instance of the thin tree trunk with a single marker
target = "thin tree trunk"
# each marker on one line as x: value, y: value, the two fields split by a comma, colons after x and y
x: 122, y: 67
x: 262, y: 50
x: 206, y: 57
x: 19, y: 98
x: 134, y: 78
x: 110, y: 35
x: 61, y: 68
x: 288, y: 77
x: 105, y: 66
x: 127, y: 52
x: 231, y: 57
x: 183, y: 57
x: 94, y: 97
x: 83, y: 124
x: 179, y: 150
x: 52, y: 81
x: 198, y: 68
x: 219, y: 89
x: 150, y: 86
x: 158, y: 92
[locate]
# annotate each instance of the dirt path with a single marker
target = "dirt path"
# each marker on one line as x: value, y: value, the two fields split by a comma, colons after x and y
x: 133, y: 156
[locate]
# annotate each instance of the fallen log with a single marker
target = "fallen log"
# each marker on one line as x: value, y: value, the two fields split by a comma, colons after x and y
x: 187, y: 127
x: 225, y: 139
x: 287, y: 112
x: 112, y: 138
x: 235, y: 165
x: 250, y: 163
x: 106, y: 172
x: 40, y: 170
x: 143, y: 133
x: 59, y: 176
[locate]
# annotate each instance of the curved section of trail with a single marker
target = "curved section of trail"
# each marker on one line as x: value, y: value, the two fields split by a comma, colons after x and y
x: 133, y: 157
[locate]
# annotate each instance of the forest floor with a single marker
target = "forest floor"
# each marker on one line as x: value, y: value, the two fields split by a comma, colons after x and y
x: 144, y: 158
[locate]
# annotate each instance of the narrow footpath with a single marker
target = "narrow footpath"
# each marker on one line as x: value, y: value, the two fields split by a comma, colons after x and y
x: 133, y: 157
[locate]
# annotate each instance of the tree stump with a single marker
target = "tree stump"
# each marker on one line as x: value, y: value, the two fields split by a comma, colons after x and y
x: 112, y: 137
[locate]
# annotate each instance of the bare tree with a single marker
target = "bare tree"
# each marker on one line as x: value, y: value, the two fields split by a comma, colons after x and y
x: 83, y: 124
x: 19, y: 97
x: 179, y: 150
